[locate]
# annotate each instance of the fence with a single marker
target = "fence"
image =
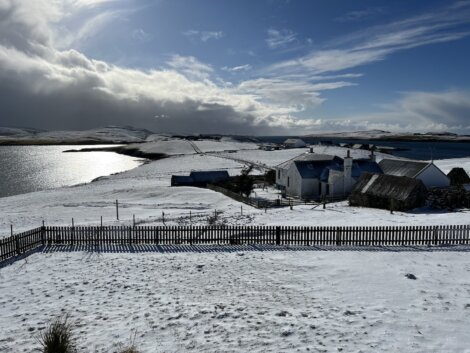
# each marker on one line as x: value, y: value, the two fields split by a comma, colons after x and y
x: 262, y: 203
x: 234, y: 235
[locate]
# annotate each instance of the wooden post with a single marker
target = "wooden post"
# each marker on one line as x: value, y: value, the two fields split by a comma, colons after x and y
x: 391, y: 206
x: 11, y: 229
x: 190, y: 217
x: 101, y: 221
x: 117, y: 210
x: 72, y: 223
x: 324, y: 202
x: 43, y: 234
x: 278, y: 235
x: 241, y: 210
x: 133, y: 220
x: 163, y: 217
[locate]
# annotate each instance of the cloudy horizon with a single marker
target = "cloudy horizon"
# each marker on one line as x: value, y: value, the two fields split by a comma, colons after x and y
x: 235, y: 67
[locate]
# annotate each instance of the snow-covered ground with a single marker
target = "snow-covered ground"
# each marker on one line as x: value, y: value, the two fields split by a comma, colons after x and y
x: 243, y: 301
x: 146, y: 192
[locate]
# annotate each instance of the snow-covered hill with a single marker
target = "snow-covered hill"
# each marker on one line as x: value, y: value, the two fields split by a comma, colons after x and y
x: 110, y: 134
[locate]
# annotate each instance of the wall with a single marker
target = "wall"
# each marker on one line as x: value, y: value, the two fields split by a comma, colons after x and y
x: 295, y: 182
x: 433, y: 177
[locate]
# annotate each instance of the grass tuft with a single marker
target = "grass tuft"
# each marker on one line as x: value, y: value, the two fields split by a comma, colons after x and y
x: 58, y: 337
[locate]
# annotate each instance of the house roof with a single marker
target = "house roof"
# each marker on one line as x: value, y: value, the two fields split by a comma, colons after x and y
x: 388, y: 186
x: 365, y: 165
x: 458, y: 176
x: 313, y: 169
x: 405, y: 168
x: 306, y: 157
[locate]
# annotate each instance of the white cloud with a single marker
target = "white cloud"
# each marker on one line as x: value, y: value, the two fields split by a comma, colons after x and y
x: 245, y: 67
x: 203, y: 35
x: 280, y: 38
x: 377, y: 43
x: 413, y: 112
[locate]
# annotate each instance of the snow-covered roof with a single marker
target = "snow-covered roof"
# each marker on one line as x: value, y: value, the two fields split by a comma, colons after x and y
x: 293, y: 141
x: 397, y: 167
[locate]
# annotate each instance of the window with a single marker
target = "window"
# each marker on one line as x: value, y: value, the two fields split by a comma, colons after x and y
x: 279, y: 174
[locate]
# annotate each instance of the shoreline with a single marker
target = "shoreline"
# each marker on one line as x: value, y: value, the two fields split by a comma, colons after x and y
x: 124, y: 150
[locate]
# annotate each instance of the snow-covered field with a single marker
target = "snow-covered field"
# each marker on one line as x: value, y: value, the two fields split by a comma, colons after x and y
x: 243, y: 301
x: 232, y: 299
x: 146, y: 192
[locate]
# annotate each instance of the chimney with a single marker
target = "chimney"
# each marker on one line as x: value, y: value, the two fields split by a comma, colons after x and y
x: 347, y: 165
x: 311, y: 149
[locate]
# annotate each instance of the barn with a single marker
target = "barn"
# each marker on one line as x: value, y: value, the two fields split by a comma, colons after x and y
x: 388, y: 192
x: 427, y: 172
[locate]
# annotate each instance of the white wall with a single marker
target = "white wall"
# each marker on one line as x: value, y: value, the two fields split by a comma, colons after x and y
x: 433, y: 177
x: 293, y: 181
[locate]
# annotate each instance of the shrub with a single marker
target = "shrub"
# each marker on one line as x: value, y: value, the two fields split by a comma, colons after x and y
x: 58, y: 337
x: 130, y: 349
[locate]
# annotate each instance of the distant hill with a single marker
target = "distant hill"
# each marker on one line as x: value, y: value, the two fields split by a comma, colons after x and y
x: 109, y: 134
x: 387, y: 135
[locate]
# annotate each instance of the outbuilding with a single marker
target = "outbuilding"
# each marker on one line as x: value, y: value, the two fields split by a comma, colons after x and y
x: 399, y: 193
x: 427, y: 172
x: 200, y: 178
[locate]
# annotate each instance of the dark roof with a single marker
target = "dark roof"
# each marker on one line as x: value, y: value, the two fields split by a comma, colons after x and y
x: 365, y: 165
x: 388, y: 186
x: 207, y: 176
x: 458, y: 176
x: 398, y: 167
x: 307, y: 157
x: 181, y: 179
x: 313, y: 168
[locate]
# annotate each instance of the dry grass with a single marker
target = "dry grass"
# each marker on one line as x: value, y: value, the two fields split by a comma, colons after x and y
x: 58, y: 337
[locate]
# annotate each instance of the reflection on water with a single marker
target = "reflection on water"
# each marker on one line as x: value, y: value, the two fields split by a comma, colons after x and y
x: 31, y: 168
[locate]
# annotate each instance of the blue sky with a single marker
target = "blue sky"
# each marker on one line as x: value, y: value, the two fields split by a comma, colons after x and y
x: 266, y: 66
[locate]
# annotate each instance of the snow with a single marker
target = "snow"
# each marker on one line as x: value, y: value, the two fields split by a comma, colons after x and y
x: 242, y: 301
x: 230, y: 299
x: 110, y: 134
x: 146, y: 192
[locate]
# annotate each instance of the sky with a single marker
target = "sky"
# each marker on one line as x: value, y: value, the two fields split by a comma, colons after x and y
x: 265, y: 67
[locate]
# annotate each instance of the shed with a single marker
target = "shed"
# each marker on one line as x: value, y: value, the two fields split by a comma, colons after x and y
x: 458, y: 176
x: 388, y: 191
x: 207, y: 177
x: 200, y: 178
x: 181, y: 180
x: 427, y: 172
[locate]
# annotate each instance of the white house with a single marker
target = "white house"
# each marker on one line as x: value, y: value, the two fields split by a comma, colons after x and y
x: 427, y: 172
x: 294, y: 143
x: 313, y: 176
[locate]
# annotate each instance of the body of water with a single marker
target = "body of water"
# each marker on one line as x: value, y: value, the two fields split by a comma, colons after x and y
x: 25, y: 169
x: 409, y: 149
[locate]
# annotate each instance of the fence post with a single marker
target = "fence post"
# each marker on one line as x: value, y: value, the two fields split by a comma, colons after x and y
x: 43, y: 234
x: 338, y: 236
x: 72, y: 233
x: 117, y: 210
x: 434, y: 235
x: 278, y: 235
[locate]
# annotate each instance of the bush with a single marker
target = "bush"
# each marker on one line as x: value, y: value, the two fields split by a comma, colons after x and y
x: 58, y: 337
x: 130, y: 349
